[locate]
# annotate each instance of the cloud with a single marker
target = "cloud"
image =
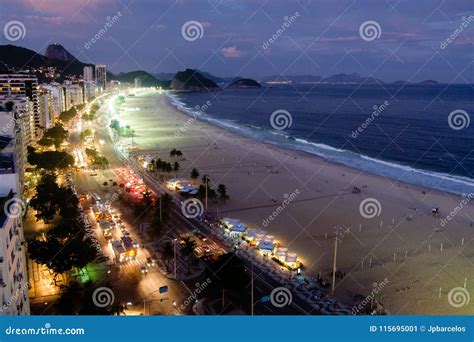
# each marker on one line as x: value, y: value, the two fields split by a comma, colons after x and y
x: 231, y: 52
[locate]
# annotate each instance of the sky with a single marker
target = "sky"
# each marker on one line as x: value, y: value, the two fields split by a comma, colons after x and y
x: 386, y: 39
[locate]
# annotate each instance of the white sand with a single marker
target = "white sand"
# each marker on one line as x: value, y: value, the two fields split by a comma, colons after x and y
x: 326, y: 201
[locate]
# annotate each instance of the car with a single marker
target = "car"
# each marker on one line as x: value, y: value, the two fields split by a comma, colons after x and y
x: 125, y: 232
x: 150, y: 262
x: 135, y: 244
x: 143, y: 269
x: 93, y: 174
x: 200, y: 236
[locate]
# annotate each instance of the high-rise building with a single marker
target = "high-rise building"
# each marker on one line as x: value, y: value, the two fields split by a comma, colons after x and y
x: 24, y: 85
x: 101, y: 76
x: 13, y: 272
x: 88, y: 74
x: 138, y: 82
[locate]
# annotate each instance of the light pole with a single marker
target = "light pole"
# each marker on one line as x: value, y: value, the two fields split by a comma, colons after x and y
x: 175, y: 274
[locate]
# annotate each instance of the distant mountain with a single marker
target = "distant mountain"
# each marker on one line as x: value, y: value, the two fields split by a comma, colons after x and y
x: 19, y: 58
x: 244, y: 83
x: 57, y: 51
x: 294, y: 79
x: 164, y: 76
x: 147, y: 79
x: 428, y: 82
x: 192, y: 80
x: 350, y: 78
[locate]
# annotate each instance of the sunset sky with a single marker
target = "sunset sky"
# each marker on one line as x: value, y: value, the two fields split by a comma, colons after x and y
x: 323, y: 38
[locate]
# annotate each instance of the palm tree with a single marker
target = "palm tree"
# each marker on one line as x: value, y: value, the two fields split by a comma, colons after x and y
x: 222, y: 191
x: 194, y: 173
x: 167, y: 253
x: 173, y: 152
x: 176, y: 168
x: 188, y: 249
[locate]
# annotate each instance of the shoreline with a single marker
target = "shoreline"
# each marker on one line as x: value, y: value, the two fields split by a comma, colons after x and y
x: 428, y: 179
x: 388, y: 246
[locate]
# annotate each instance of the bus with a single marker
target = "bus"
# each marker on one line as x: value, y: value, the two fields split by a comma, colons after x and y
x: 121, y: 254
x: 129, y: 247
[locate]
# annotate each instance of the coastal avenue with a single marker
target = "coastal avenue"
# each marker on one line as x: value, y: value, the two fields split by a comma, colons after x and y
x: 132, y: 287
x: 263, y: 283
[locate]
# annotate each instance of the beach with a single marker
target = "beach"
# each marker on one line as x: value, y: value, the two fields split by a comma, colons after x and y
x: 412, y: 257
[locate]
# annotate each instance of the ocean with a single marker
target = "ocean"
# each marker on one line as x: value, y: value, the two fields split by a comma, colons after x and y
x: 418, y: 134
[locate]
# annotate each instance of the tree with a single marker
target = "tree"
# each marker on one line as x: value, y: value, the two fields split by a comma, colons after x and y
x: 206, y: 180
x: 68, y: 114
x: 86, y: 133
x: 188, y: 250
x: 77, y: 299
x: 222, y: 192
x: 45, y: 199
x: 194, y: 173
x: 173, y: 152
x: 49, y: 160
x: 176, y: 168
x: 167, y: 253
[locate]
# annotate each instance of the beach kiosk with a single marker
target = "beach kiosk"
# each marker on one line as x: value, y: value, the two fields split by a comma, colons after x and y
x: 266, y: 247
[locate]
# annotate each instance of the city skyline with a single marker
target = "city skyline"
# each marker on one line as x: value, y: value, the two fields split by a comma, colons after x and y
x: 413, y: 41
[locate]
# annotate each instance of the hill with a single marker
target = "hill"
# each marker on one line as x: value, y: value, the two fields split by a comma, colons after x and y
x: 192, y: 80
x: 57, y: 51
x: 147, y: 79
x: 244, y: 83
x: 19, y: 58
